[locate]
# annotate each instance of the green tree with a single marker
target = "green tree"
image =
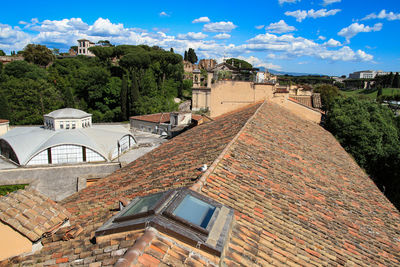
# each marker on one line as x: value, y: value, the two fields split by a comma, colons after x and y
x: 4, y: 108
x: 124, y: 98
x: 103, y: 53
x: 240, y: 64
x: 2, y: 53
x: 369, y: 132
x: 185, y: 57
x: 191, y: 56
x: 38, y: 54
x: 328, y: 94
x: 396, y: 81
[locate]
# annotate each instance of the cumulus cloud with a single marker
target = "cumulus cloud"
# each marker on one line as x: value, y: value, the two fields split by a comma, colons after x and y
x: 12, y: 38
x: 192, y: 36
x: 280, y: 27
x: 328, y: 2
x: 355, y: 28
x: 298, y: 46
x: 201, y: 20
x: 383, y: 15
x: 321, y: 37
x: 287, y: 1
x: 163, y: 14
x: 259, y: 27
x: 301, y: 15
x: 332, y: 43
x: 222, y: 26
x: 64, y: 33
x: 104, y: 27
x: 222, y: 36
x: 256, y: 62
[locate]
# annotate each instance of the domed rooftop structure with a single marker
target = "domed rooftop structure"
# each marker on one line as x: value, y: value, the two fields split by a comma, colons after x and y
x: 68, y: 113
x: 68, y: 137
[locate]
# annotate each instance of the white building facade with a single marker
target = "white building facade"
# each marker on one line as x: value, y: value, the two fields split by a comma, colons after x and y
x: 367, y: 74
x: 83, y: 47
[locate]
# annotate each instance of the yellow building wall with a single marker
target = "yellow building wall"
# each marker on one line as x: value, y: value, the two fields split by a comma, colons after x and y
x: 200, y: 99
x: 12, y: 243
x: 4, y: 127
x: 302, y: 112
x: 227, y: 96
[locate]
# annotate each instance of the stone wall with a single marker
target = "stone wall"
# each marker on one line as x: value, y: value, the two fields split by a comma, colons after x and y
x: 56, y: 182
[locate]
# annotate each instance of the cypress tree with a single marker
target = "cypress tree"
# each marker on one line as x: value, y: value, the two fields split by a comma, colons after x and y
x: 134, y: 94
x: 185, y: 57
x: 124, y: 94
x: 396, y: 81
x: 4, y: 108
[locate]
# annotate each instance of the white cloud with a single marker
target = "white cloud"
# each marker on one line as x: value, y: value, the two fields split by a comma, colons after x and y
x: 298, y: 47
x: 64, y: 25
x: 280, y: 27
x: 287, y: 1
x: 192, y: 36
x: 301, y: 15
x: 355, y: 28
x: 328, y: 2
x: 12, y: 38
x: 321, y: 37
x: 332, y: 43
x: 222, y: 36
x: 201, y: 20
x: 383, y: 15
x: 104, y: 27
x: 256, y: 62
x: 163, y: 14
x: 259, y: 27
x: 223, y: 26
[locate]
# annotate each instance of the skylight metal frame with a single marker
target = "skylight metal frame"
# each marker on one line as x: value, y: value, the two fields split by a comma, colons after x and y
x: 160, y: 216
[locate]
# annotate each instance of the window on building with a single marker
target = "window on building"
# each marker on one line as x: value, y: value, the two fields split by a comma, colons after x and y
x: 67, y: 125
x: 61, y: 125
x: 73, y: 125
x: 182, y: 213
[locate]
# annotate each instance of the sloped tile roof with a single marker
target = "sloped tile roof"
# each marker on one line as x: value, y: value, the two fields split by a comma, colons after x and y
x: 157, y: 117
x: 3, y: 121
x: 31, y: 213
x: 299, y: 198
x: 305, y: 100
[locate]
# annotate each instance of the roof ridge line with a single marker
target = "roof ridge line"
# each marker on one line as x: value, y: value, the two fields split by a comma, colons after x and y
x: 202, y: 181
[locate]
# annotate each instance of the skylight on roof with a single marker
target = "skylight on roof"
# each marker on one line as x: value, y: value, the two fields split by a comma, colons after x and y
x: 186, y: 215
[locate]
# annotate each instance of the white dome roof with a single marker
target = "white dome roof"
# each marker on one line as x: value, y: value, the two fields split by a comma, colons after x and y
x: 68, y: 113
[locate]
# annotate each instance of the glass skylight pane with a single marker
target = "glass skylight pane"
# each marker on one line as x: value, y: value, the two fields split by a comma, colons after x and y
x: 195, y: 211
x: 143, y: 205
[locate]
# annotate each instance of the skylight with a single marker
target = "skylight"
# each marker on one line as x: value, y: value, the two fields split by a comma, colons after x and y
x: 186, y: 215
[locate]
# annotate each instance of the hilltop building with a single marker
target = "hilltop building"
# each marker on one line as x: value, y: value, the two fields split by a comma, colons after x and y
x: 367, y: 74
x: 67, y: 137
x: 83, y: 47
x: 273, y: 189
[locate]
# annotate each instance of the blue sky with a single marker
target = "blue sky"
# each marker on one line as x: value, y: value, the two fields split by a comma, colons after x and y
x: 333, y: 37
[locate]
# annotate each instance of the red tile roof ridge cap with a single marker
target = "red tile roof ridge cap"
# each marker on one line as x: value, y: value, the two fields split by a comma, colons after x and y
x: 132, y: 254
x: 202, y: 180
x: 301, y: 104
x: 4, y: 121
x: 238, y: 109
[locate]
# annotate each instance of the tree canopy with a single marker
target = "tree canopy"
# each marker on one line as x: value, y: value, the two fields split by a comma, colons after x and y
x: 240, y: 64
x: 38, y: 54
x: 328, y: 94
x: 370, y: 133
x: 191, y: 56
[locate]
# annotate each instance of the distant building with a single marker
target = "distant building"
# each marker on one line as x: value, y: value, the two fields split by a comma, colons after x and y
x: 168, y: 124
x: 4, y: 126
x: 367, y: 74
x: 83, y: 47
x: 67, y: 137
x: 207, y: 64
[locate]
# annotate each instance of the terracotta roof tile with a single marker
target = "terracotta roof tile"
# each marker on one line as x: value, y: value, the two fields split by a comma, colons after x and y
x: 158, y: 117
x: 299, y: 198
x: 31, y: 213
x: 3, y: 121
